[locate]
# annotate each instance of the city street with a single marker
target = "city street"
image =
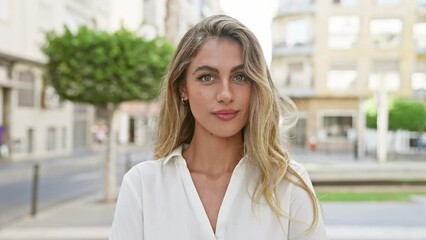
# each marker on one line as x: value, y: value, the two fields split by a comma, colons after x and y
x: 89, y: 219
x: 71, y: 193
x: 376, y: 220
x: 60, y: 180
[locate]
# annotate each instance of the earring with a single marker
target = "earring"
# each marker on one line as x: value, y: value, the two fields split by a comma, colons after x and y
x: 182, y: 101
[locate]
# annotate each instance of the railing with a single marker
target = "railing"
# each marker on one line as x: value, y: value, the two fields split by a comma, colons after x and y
x: 296, y: 7
x: 283, y: 49
x: 421, y: 44
x: 297, y: 91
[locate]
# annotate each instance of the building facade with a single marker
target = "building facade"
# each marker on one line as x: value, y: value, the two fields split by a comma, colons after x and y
x: 330, y: 56
x: 35, y: 123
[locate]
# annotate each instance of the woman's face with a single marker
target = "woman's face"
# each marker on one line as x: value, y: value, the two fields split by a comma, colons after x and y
x: 217, y: 88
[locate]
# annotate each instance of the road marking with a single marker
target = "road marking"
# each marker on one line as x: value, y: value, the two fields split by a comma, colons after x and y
x: 376, y: 232
x: 56, y: 233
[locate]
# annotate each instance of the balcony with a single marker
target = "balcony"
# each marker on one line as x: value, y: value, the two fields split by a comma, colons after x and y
x: 291, y: 7
x: 421, y: 45
x: 421, y: 50
x: 282, y: 49
x: 297, y: 92
x: 419, y: 94
x: 421, y: 9
x: 297, y: 85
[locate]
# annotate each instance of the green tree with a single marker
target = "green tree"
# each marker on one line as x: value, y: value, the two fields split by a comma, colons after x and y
x: 405, y: 114
x: 105, y: 69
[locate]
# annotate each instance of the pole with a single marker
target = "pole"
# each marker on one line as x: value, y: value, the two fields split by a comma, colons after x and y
x: 128, y: 161
x: 361, y: 130
x: 382, y: 121
x: 35, y: 186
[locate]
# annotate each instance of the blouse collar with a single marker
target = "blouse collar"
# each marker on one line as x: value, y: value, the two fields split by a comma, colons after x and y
x: 177, y: 153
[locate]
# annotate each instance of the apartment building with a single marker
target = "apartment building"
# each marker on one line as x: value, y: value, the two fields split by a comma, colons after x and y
x: 35, y: 123
x: 329, y: 56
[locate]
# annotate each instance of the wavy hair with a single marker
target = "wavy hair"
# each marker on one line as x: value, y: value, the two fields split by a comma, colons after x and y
x: 261, y: 134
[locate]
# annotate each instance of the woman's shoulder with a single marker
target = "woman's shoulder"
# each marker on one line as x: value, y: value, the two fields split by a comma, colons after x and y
x: 297, y: 173
x: 298, y: 168
x: 156, y: 168
x: 146, y: 168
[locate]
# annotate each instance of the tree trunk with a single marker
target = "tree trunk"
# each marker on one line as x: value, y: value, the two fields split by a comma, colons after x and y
x: 110, y: 182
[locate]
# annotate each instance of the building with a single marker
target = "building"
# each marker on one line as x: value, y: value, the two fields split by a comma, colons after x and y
x: 329, y: 56
x: 35, y: 123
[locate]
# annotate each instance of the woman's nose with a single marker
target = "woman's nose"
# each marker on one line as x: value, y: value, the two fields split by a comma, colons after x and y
x: 224, y: 93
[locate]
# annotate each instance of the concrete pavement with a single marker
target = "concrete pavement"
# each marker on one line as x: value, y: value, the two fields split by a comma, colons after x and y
x: 90, y: 219
x: 84, y: 219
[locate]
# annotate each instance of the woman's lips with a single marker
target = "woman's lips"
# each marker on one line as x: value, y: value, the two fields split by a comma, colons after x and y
x: 226, y: 114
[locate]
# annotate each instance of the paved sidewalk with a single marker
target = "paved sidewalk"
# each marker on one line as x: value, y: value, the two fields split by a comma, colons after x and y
x: 83, y: 219
x: 90, y: 219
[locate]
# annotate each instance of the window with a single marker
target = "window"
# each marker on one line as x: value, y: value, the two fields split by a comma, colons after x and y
x: 388, y: 2
x: 296, y: 67
x: 279, y: 74
x: 338, y: 127
x: 419, y: 30
x: 3, y: 74
x: 297, y: 78
x: 4, y: 9
x: 343, y: 31
x: 26, y: 92
x: 51, y: 138
x: 385, y: 74
x: 418, y: 79
x: 386, y: 33
x: 345, y: 2
x: 292, y: 5
x: 298, y: 133
x: 341, y: 76
x: 297, y: 33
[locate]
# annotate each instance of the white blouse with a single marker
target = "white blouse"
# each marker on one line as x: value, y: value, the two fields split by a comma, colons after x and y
x: 158, y: 201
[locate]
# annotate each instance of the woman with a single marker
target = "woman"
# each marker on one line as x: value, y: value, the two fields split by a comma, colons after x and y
x: 221, y: 172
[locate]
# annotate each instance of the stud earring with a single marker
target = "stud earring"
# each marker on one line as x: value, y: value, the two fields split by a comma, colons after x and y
x: 182, y: 101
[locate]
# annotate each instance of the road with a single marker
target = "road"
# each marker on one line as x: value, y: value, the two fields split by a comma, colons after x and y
x: 60, y: 180
x: 376, y: 220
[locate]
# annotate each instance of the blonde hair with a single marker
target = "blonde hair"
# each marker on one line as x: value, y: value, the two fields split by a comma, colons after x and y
x: 261, y: 134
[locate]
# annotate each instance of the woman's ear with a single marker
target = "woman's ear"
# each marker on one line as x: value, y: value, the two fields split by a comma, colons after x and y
x: 183, y: 93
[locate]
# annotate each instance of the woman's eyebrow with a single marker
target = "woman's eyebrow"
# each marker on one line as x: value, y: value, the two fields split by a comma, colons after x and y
x: 205, y: 68
x: 237, y: 68
x: 215, y: 70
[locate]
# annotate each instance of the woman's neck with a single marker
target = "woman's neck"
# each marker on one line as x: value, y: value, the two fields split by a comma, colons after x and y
x: 213, y: 155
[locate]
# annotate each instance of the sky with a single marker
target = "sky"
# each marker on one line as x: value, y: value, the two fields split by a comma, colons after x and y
x: 256, y: 15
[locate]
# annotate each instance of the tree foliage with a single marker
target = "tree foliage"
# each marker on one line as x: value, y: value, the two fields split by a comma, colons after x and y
x: 98, y: 67
x: 404, y: 114
x: 105, y: 69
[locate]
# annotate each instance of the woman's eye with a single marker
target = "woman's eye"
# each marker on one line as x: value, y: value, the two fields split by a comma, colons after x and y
x: 240, y: 78
x: 205, y: 78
